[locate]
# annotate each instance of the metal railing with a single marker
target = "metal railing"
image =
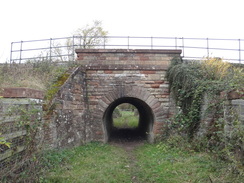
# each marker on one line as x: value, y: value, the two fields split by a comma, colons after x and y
x: 63, y: 49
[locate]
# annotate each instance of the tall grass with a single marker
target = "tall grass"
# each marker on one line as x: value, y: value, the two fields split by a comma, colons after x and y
x: 32, y: 74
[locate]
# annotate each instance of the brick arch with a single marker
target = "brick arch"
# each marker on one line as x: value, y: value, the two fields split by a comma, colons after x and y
x: 133, y: 93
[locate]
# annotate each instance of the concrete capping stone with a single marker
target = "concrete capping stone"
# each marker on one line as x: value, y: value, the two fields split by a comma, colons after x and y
x: 121, y: 67
x: 22, y: 93
x: 145, y: 51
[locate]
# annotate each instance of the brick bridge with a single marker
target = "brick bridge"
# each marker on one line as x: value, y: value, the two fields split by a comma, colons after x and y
x: 105, y: 79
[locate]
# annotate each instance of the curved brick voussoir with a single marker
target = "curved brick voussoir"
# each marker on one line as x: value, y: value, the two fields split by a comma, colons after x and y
x: 115, y: 94
x: 133, y: 92
x: 106, y: 100
x: 150, y: 100
x: 128, y: 91
x: 137, y: 92
x: 102, y: 105
x: 156, y: 105
x: 145, y: 96
x: 110, y: 97
x: 153, y: 102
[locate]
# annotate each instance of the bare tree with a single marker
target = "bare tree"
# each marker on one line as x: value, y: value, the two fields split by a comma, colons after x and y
x: 90, y: 36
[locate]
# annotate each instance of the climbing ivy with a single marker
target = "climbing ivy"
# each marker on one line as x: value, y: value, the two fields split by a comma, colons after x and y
x: 190, y: 80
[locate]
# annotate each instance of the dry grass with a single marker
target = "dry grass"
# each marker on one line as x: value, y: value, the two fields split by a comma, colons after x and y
x: 216, y: 68
x: 36, y: 75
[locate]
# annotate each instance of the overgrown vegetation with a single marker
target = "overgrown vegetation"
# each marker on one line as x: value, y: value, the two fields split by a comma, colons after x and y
x: 175, y: 161
x: 43, y: 75
x: 195, y: 83
x: 27, y: 119
x: 33, y: 74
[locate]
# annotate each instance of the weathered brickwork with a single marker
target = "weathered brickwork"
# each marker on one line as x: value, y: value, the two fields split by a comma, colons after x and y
x: 104, y: 89
x: 233, y: 109
x: 82, y: 109
x: 65, y: 125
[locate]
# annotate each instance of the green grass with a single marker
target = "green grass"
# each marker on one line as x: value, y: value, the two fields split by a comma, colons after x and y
x: 127, y: 120
x: 166, y: 165
x: 157, y: 163
x: 91, y: 163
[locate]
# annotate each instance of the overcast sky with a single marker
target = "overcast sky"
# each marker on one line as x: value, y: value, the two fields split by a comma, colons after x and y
x: 38, y: 19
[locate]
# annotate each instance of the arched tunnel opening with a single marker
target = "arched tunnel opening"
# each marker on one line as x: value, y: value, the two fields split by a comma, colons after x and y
x: 139, y: 129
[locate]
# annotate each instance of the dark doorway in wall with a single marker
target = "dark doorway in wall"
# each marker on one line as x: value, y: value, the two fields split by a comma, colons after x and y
x: 128, y: 119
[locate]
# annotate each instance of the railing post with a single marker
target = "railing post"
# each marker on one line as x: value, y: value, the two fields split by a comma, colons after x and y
x: 104, y: 45
x: 11, y: 52
x: 176, y: 43
x: 207, y: 48
x: 50, y: 51
x: 151, y: 42
x: 20, y: 56
x: 183, y: 47
x: 239, y: 50
x: 73, y: 48
x: 128, y: 42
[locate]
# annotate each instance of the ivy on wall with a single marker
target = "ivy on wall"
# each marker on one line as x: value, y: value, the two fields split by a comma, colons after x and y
x: 191, y: 83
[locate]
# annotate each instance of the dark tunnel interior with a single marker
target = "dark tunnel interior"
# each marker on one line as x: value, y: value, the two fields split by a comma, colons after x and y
x: 145, y: 122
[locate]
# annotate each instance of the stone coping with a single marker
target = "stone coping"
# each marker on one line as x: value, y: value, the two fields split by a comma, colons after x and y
x: 145, y: 51
x: 21, y: 93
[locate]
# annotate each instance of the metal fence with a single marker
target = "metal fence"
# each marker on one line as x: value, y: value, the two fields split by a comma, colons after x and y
x: 63, y: 49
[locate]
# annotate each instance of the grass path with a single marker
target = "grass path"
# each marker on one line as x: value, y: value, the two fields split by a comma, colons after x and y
x: 136, y: 163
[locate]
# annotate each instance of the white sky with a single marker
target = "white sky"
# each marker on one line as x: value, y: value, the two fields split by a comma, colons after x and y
x: 40, y: 19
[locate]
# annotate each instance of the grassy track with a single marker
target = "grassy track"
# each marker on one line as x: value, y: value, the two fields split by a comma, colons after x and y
x: 92, y: 163
x: 127, y: 120
x: 147, y: 163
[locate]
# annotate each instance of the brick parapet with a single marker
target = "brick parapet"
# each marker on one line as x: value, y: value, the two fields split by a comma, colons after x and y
x: 125, y: 58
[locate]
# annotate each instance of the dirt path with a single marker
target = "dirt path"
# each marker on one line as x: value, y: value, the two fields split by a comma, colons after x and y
x: 129, y: 146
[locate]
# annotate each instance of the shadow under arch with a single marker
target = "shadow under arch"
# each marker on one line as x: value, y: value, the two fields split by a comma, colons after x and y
x: 145, y: 123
